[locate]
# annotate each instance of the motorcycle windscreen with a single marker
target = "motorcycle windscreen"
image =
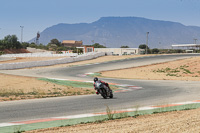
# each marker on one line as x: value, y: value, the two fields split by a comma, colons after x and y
x: 98, y: 85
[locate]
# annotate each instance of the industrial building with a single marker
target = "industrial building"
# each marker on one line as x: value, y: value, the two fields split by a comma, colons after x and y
x: 189, y: 48
x: 72, y: 43
x: 121, y: 51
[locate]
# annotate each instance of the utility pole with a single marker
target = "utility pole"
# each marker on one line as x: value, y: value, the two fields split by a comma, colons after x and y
x: 147, y: 42
x: 21, y: 33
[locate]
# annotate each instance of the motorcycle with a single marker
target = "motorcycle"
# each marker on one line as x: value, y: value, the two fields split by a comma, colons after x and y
x: 103, y: 90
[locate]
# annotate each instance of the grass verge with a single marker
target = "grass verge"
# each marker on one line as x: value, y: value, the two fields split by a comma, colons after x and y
x: 69, y: 83
x: 75, y: 83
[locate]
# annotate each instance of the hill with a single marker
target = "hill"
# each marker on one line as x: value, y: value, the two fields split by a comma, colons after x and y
x: 118, y: 31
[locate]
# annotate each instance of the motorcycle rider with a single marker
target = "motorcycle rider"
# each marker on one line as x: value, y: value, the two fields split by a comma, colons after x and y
x: 107, y: 85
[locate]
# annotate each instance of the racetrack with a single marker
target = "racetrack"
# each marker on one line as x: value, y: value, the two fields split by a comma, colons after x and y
x: 152, y: 92
x: 6, y: 58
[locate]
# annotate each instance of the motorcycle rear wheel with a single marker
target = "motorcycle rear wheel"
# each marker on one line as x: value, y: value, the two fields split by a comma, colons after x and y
x: 111, y: 95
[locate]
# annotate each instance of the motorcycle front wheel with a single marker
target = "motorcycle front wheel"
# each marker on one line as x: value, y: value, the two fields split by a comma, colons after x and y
x: 103, y: 94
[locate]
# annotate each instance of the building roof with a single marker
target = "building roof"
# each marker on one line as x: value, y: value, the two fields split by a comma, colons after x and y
x: 68, y: 41
x: 185, y: 45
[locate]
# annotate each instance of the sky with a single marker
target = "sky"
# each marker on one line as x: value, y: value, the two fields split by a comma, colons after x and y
x: 37, y: 15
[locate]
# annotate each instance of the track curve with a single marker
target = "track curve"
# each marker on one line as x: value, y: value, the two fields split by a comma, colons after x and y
x: 152, y: 92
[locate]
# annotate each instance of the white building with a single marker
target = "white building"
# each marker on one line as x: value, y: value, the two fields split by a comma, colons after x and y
x: 120, y: 51
x: 187, y: 46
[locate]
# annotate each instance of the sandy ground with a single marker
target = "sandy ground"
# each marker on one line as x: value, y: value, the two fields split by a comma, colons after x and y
x: 181, y: 121
x: 170, y: 122
x: 187, y: 69
x: 18, y: 88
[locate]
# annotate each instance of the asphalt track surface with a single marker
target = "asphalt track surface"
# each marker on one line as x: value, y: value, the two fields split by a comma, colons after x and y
x: 152, y: 92
x: 6, y: 58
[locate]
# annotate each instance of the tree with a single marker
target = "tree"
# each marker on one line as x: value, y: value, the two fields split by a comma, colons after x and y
x: 62, y: 49
x: 55, y: 41
x: 1, y: 45
x: 33, y: 45
x: 124, y: 47
x: 179, y: 51
x: 155, y: 51
x: 143, y: 46
x: 10, y: 41
x: 25, y: 44
x: 97, y: 45
x: 52, y: 47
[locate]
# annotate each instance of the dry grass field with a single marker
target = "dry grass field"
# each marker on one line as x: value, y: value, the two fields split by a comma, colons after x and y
x: 19, y: 88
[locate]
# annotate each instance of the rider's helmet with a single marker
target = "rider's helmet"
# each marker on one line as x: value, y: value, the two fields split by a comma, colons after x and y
x: 95, y: 79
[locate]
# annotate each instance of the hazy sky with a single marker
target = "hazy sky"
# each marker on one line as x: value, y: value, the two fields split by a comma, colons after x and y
x: 36, y: 15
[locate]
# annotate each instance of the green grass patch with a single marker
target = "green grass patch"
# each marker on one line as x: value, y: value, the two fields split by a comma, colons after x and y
x: 187, y: 71
x: 95, y: 75
x: 69, y: 83
x: 75, y: 83
x: 174, y: 72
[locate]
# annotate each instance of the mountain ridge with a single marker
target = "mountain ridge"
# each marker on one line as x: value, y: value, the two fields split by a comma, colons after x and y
x: 118, y: 31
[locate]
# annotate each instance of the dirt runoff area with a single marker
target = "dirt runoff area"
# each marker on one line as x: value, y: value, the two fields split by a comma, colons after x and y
x: 20, y: 88
x: 185, y: 69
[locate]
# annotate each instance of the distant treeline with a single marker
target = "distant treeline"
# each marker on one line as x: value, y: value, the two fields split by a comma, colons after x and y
x: 11, y: 42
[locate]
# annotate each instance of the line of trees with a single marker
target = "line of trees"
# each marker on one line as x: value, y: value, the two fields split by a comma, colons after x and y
x: 10, y: 42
